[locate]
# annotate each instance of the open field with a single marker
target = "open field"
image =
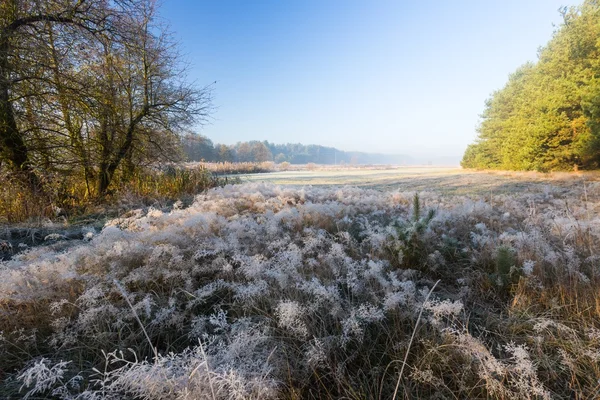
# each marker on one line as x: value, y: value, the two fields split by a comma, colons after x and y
x: 444, y: 180
x: 483, y: 286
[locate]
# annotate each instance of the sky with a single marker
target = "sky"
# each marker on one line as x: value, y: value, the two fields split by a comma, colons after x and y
x: 395, y: 77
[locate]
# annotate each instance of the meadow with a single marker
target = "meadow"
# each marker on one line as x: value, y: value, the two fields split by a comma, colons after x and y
x: 442, y: 180
x: 381, y: 283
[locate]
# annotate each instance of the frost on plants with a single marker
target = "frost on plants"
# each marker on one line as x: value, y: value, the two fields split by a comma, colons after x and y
x: 258, y: 291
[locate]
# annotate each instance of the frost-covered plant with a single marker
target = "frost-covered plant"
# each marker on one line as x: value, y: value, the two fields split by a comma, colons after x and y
x: 262, y: 291
x: 289, y: 315
x: 43, y: 377
x: 445, y: 309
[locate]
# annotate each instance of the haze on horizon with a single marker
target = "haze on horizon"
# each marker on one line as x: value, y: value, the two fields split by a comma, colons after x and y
x: 394, y: 77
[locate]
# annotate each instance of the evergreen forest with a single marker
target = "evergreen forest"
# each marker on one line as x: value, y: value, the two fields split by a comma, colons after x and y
x: 547, y: 116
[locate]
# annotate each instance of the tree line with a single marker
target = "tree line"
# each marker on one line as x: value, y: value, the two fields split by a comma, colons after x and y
x: 200, y: 148
x: 90, y: 89
x: 547, y: 117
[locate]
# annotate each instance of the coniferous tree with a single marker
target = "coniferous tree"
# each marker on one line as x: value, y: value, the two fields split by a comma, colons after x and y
x: 547, y: 116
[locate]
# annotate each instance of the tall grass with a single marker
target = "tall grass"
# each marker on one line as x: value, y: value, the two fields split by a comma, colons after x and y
x: 233, y: 168
x: 69, y: 196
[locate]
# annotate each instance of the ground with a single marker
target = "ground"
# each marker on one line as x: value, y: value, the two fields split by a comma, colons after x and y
x: 444, y: 180
x: 359, y: 283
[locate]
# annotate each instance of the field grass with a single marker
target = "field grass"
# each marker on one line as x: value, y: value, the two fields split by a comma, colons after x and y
x: 443, y: 180
x: 428, y: 283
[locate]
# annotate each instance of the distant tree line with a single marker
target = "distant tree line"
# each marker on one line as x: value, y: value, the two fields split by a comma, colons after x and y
x: 200, y: 148
x: 547, y: 117
x: 89, y: 89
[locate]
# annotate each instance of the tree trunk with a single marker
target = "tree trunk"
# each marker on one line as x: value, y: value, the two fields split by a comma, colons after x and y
x: 108, y: 169
x: 104, y: 179
x: 12, y: 146
x: 106, y: 149
x: 74, y: 129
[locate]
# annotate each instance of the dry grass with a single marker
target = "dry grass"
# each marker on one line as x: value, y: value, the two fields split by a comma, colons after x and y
x: 259, y: 291
x: 234, y: 168
x: 69, y: 197
x: 444, y: 180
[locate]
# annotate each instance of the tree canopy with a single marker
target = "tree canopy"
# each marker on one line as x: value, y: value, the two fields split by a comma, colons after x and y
x: 547, y: 116
x: 200, y: 148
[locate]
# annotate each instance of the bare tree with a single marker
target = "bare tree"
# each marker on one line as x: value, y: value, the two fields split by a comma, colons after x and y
x: 22, y: 68
x: 145, y: 101
x: 91, y: 87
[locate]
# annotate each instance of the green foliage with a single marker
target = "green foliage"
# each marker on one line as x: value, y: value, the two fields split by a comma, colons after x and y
x: 505, y: 271
x: 409, y: 247
x: 547, y: 117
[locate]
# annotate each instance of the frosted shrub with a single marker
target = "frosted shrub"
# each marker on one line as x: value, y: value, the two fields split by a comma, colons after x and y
x: 515, y: 379
x: 524, y: 377
x: 187, y: 375
x: 289, y: 314
x: 41, y: 377
x: 443, y: 309
x: 528, y: 267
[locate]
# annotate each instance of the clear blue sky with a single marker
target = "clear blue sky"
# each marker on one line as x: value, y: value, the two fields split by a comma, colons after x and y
x: 407, y: 77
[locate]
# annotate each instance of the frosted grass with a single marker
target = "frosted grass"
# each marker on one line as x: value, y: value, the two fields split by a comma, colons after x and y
x: 260, y: 291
